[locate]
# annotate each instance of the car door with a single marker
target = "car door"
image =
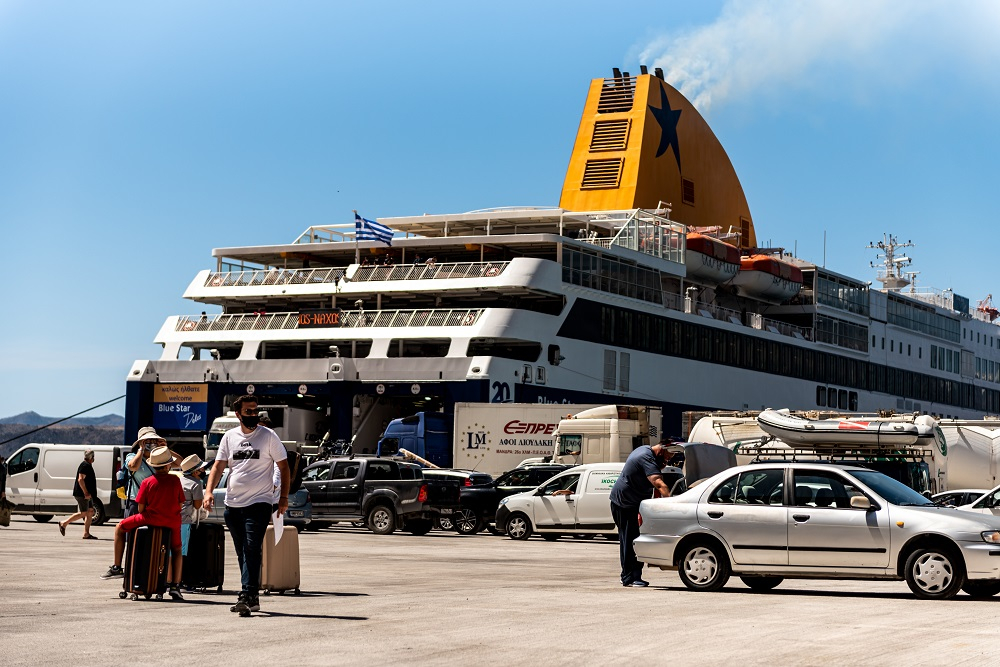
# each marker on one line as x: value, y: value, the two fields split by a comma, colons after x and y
x: 555, y: 504
x: 345, y: 488
x: 22, y: 478
x: 316, y: 480
x: 825, y: 531
x: 593, y: 505
x: 748, y: 511
x: 988, y: 504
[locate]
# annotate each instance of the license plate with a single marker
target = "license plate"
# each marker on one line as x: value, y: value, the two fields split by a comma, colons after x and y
x: 446, y: 511
x: 296, y: 513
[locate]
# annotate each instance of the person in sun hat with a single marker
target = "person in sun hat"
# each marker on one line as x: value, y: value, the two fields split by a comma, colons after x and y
x: 159, y: 500
x: 192, y: 469
x: 147, y: 440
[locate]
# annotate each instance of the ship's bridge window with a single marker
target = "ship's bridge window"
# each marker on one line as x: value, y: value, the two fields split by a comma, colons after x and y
x: 506, y: 348
x: 419, y: 347
x: 313, y: 349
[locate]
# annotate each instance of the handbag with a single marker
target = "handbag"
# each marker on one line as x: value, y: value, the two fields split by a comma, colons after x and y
x: 5, y: 507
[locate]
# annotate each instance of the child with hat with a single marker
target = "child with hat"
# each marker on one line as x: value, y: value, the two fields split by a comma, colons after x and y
x: 192, y: 468
x: 159, y: 499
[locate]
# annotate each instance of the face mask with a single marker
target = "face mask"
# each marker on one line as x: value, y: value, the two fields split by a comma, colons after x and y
x: 249, y: 422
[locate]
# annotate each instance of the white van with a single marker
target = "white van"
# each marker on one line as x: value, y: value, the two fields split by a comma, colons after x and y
x: 576, y: 501
x: 40, y: 479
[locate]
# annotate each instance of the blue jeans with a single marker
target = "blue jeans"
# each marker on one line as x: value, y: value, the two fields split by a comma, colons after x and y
x: 627, y: 520
x: 248, y: 525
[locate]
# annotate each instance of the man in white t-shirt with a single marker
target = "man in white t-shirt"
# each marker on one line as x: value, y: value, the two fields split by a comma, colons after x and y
x: 250, y: 452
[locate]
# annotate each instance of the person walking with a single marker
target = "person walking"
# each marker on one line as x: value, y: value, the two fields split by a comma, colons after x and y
x: 640, y: 475
x: 250, y: 451
x: 159, y: 499
x: 84, y: 490
x: 3, y: 478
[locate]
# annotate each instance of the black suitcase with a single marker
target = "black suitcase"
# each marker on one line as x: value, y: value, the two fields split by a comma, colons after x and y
x: 147, y: 557
x: 205, y: 562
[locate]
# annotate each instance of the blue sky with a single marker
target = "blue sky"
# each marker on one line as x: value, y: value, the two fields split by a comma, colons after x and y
x: 137, y: 137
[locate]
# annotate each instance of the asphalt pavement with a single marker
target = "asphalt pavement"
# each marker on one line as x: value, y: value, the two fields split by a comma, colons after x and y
x: 448, y: 599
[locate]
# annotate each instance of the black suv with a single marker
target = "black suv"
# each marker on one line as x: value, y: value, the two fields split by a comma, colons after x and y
x: 480, y: 502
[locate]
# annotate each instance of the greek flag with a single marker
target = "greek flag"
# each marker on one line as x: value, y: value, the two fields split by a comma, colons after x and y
x: 369, y: 230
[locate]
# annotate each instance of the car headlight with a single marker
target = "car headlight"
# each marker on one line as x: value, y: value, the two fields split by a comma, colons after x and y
x: 991, y: 536
x: 503, y: 501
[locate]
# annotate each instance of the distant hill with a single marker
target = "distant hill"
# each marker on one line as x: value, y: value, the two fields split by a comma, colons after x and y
x: 68, y: 435
x: 35, y: 419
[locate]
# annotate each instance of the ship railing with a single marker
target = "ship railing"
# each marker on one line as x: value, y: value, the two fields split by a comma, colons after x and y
x: 427, y: 317
x: 754, y: 320
x: 432, y: 271
x: 275, y: 276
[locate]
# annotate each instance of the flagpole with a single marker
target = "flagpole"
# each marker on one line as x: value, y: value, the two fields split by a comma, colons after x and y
x: 357, y: 250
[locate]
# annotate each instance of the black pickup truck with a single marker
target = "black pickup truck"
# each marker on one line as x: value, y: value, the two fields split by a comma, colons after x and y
x: 385, y: 494
x: 479, y: 503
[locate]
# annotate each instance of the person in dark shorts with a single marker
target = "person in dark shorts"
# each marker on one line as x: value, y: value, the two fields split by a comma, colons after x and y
x: 640, y: 475
x: 84, y: 490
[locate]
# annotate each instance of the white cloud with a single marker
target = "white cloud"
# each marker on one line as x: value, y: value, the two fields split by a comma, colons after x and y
x: 759, y: 45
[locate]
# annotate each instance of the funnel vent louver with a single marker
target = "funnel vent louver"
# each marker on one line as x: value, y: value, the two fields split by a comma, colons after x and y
x: 617, y: 95
x: 602, y: 174
x: 610, y: 135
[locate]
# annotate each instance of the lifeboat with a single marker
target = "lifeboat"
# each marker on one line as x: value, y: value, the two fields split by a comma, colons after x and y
x: 711, y: 260
x: 767, y: 277
x: 794, y: 430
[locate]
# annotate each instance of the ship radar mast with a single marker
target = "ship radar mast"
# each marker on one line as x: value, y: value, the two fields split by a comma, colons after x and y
x: 890, y: 274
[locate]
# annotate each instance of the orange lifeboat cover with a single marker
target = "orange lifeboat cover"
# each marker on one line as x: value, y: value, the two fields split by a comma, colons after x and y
x: 720, y: 250
x: 769, y: 264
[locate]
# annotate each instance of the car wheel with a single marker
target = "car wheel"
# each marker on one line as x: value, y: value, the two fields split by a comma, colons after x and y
x: 934, y: 573
x: 982, y: 589
x: 761, y: 584
x: 704, y: 567
x: 381, y: 520
x: 518, y: 527
x: 467, y: 522
x: 550, y: 537
x: 444, y: 523
x: 42, y: 518
x: 419, y: 526
x: 100, y: 514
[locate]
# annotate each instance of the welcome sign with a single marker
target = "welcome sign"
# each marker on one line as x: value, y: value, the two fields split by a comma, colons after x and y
x: 181, y: 407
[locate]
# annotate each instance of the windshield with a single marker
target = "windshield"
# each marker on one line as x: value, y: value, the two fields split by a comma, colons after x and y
x: 213, y: 440
x: 894, y: 492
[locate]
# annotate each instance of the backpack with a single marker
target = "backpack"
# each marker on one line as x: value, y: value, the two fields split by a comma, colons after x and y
x: 122, y: 479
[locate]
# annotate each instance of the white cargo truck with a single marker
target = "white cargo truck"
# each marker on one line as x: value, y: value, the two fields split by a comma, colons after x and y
x: 300, y: 429
x: 607, y: 433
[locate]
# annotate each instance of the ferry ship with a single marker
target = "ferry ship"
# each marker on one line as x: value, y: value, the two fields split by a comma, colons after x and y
x: 645, y: 285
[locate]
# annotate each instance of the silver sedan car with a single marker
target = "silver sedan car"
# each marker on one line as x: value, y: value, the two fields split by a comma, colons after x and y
x: 769, y: 521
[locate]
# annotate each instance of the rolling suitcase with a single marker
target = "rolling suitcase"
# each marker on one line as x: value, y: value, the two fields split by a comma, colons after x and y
x: 205, y: 562
x: 147, y: 557
x: 279, y: 571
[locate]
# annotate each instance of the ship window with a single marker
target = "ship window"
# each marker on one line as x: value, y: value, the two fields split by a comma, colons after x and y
x: 506, y: 348
x: 526, y: 374
x: 831, y: 396
x: 609, y: 370
x: 852, y: 401
x: 821, y: 396
x: 359, y: 349
x: 419, y: 347
x: 624, y: 371
x: 744, y: 233
x: 540, y: 375
x: 687, y: 194
x: 842, y: 396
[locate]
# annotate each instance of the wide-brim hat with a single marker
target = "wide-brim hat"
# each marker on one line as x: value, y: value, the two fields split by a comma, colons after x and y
x: 193, y: 463
x: 159, y: 457
x: 147, y: 433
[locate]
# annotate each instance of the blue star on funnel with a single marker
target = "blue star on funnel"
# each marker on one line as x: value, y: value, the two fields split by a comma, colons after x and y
x: 667, y: 119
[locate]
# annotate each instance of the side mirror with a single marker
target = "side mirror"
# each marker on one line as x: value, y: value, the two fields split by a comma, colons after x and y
x: 861, y: 503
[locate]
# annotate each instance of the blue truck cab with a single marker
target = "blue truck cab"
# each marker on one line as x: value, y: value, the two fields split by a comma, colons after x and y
x: 426, y: 434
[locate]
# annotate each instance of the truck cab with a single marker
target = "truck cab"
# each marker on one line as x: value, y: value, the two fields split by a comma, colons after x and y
x: 425, y: 434
x: 606, y: 434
